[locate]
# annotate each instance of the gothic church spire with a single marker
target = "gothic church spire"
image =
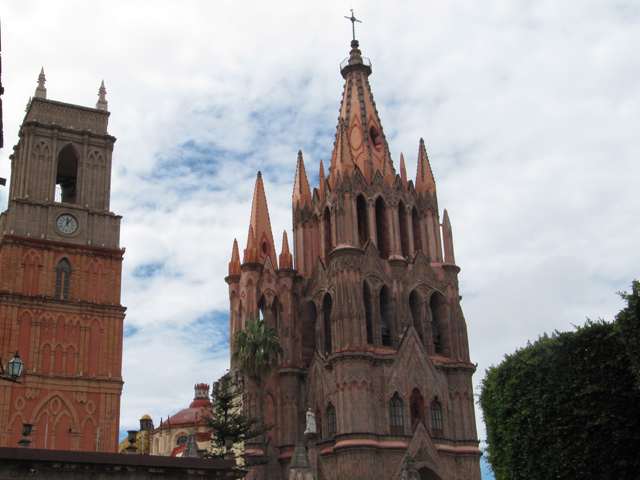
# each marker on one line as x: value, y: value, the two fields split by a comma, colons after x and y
x: 301, y: 190
x: 260, y: 229
x: 360, y: 141
x: 424, y: 177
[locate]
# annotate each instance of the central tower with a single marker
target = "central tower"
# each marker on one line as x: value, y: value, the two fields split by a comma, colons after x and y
x: 368, y: 315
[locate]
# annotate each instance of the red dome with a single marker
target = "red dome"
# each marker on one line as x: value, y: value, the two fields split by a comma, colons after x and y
x: 198, y: 409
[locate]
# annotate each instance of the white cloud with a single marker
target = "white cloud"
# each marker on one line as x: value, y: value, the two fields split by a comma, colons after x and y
x: 529, y: 110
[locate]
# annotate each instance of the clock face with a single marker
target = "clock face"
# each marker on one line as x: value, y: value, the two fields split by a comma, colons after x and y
x: 67, y: 223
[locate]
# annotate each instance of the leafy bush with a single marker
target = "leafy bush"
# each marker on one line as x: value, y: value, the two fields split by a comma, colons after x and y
x: 566, y: 406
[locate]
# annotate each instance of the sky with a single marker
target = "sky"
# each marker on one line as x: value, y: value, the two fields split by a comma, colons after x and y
x: 530, y: 112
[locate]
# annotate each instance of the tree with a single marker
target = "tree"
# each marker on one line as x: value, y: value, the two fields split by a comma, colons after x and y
x: 228, y: 419
x: 256, y: 350
x: 564, y: 407
x: 628, y: 322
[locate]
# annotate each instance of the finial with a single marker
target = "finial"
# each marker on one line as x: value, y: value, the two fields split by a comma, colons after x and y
x: 353, y: 24
x: 41, y: 92
x: 102, y: 100
x: 259, y: 174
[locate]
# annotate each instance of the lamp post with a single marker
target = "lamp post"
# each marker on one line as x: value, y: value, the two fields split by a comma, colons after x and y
x: 14, y: 369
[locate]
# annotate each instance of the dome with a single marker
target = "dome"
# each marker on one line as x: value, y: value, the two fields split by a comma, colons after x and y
x: 195, y: 412
x: 145, y: 417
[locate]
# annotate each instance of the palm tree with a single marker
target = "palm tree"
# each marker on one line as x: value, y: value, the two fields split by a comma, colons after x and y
x: 256, y: 350
x: 255, y: 355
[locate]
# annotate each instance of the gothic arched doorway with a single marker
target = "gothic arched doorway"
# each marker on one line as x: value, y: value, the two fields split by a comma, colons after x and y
x: 427, y: 474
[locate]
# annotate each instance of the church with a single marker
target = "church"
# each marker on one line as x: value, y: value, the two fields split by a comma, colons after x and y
x: 366, y: 303
x: 368, y: 313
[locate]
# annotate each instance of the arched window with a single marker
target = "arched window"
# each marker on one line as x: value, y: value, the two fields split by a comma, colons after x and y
x: 63, y: 274
x: 315, y: 223
x: 417, y: 236
x: 382, y: 232
x: 404, y: 233
x: 327, y: 303
x: 326, y: 219
x: 331, y: 421
x: 366, y: 297
x: 363, y: 221
x: 181, y: 439
x: 396, y: 421
x: 309, y: 315
x: 269, y: 313
x: 66, y: 175
x: 415, y: 303
x: 436, y: 419
x: 386, y: 316
x: 438, y: 305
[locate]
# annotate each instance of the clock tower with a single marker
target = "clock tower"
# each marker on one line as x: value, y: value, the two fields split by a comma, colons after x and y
x: 60, y: 280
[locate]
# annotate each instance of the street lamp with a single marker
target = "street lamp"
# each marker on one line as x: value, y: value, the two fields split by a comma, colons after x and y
x: 14, y: 369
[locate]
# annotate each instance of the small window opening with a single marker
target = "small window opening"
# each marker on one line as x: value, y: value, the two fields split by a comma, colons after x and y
x: 326, y: 307
x: 264, y: 247
x: 396, y: 421
x: 417, y: 237
x: 436, y: 419
x: 63, y: 274
x: 363, y: 221
x: 331, y: 421
x: 440, y: 325
x: 404, y: 232
x: 415, y: 304
x: 66, y: 175
x: 382, y: 232
x: 309, y: 315
x: 386, y: 314
x: 376, y: 138
x: 366, y: 297
x: 416, y: 403
x: 326, y: 219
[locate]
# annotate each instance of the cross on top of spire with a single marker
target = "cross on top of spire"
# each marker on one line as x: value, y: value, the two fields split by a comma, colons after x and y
x: 353, y: 23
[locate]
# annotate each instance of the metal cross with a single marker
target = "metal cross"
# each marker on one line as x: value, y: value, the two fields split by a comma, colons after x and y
x: 353, y: 23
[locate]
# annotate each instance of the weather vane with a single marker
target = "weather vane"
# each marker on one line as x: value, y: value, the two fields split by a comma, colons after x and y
x: 353, y: 23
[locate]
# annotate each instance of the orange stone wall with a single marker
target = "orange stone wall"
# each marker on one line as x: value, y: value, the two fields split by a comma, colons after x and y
x: 71, y: 349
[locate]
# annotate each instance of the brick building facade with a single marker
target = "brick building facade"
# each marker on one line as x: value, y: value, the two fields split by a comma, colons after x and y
x: 368, y: 314
x: 60, y: 280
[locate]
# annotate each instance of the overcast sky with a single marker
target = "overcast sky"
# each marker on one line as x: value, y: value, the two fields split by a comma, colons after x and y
x: 530, y: 113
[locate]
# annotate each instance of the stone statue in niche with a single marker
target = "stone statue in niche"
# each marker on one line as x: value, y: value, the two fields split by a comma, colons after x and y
x: 311, y: 423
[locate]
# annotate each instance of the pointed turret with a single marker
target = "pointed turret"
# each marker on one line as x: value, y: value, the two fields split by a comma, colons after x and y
x: 102, y: 98
x: 234, y: 264
x: 447, y: 239
x: 342, y: 158
x: 424, y: 177
x: 321, y: 179
x: 403, y: 171
x: 260, y: 228
x: 286, y: 259
x: 301, y: 190
x: 359, y: 129
x: 250, y: 253
x: 388, y: 170
x: 41, y: 91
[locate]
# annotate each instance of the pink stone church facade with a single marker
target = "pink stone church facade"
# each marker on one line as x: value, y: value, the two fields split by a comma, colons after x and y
x: 368, y: 313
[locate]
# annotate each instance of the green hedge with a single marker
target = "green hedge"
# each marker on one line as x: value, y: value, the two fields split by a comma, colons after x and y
x: 566, y: 407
